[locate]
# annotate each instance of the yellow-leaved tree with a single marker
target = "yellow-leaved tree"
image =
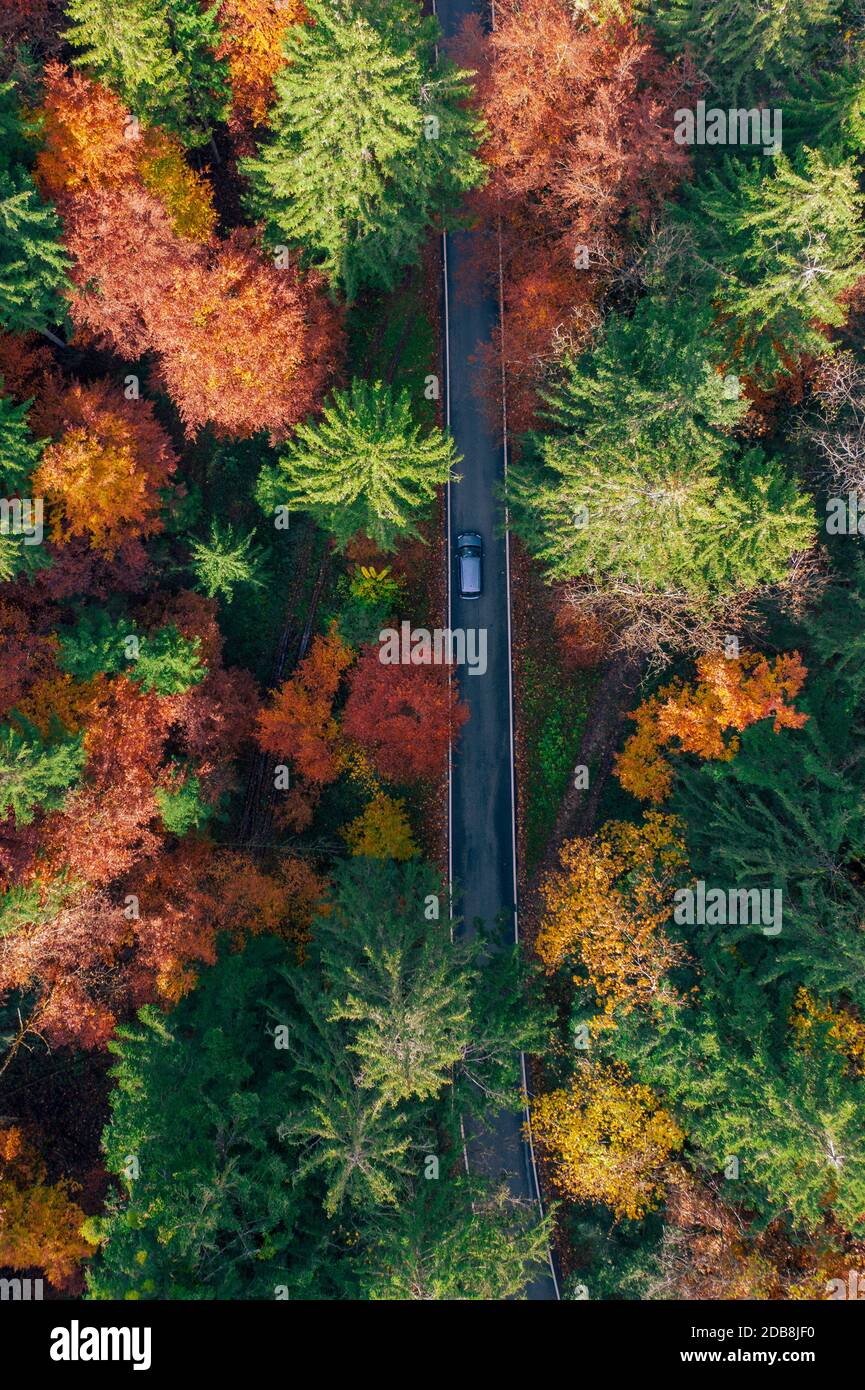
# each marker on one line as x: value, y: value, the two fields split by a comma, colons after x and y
x: 606, y: 1139
x: 606, y: 910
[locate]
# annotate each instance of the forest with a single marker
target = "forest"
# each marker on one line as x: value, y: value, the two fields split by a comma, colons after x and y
x: 242, y: 1038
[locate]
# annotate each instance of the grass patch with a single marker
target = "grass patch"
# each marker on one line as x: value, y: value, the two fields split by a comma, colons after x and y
x: 554, y: 710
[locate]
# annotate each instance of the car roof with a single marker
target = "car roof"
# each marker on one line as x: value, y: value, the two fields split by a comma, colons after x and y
x: 470, y: 573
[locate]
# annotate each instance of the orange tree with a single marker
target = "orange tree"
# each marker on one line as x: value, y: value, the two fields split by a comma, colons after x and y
x: 730, y: 694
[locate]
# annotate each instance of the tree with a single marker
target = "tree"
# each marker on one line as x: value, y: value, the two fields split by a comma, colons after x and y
x: 775, y: 250
x: 224, y: 561
x: 785, y: 815
x: 416, y: 1010
x: 746, y: 53
x: 107, y: 471
x: 731, y: 693
x: 390, y: 1009
x: 299, y: 725
x: 168, y: 663
x: 87, y: 142
x: 187, y: 196
x: 827, y: 107
x: 607, y: 910
x: 348, y: 1137
x: 160, y: 58
x: 464, y: 1239
x: 606, y: 1138
x: 128, y: 263
x: 366, y: 465
x: 41, y: 1224
x: 382, y: 830
x: 244, y: 345
x: 637, y: 479
x: 792, y: 1114
x: 403, y: 716
x: 358, y: 183
x: 20, y: 453
x: 253, y: 33
x: 35, y: 774
x: 580, y: 148
x: 33, y: 265
x: 198, y: 1099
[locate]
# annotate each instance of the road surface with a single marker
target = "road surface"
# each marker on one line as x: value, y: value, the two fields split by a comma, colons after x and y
x: 482, y: 838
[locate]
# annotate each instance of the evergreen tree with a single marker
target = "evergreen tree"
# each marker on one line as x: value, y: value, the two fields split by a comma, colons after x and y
x: 32, y: 263
x: 746, y: 49
x: 97, y: 643
x: 225, y: 560
x: 20, y: 452
x: 209, y: 1209
x: 788, y: 813
x: 640, y: 479
x: 774, y: 251
x: 168, y: 662
x: 826, y: 109
x: 35, y: 773
x: 790, y: 1111
x: 391, y: 1009
x: 346, y: 1135
x: 181, y: 804
x: 159, y: 56
x: 366, y: 465
x: 372, y: 140
x: 460, y: 1238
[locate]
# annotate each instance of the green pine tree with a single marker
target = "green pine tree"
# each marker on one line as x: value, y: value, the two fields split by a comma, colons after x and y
x: 159, y: 56
x: 788, y: 813
x: 181, y: 805
x: 209, y: 1209
x: 33, y: 265
x: 826, y: 109
x: 372, y: 141
x: 640, y: 478
x: 20, y: 452
x: 460, y: 1239
x: 790, y: 1111
x: 746, y: 49
x: 225, y: 560
x: 774, y: 251
x: 366, y: 465
x: 36, y: 773
x: 168, y: 662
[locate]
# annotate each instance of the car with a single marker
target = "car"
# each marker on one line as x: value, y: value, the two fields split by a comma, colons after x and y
x: 470, y: 556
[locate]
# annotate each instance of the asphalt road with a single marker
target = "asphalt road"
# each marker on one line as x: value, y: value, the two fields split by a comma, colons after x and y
x: 482, y: 841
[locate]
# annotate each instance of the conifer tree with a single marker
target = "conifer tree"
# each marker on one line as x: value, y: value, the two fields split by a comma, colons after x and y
x: 33, y: 264
x: 366, y: 465
x: 746, y: 49
x: 159, y: 56
x: 36, y: 774
x: 826, y: 109
x: 774, y: 250
x: 20, y: 452
x: 371, y: 141
x: 791, y: 1110
x: 463, y: 1239
x: 225, y: 560
x: 198, y: 1099
x: 640, y: 479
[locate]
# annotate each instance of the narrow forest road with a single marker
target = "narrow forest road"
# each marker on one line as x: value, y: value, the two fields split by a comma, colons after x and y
x: 482, y: 841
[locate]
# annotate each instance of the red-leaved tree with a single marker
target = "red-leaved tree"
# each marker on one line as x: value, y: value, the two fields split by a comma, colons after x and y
x: 403, y: 717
